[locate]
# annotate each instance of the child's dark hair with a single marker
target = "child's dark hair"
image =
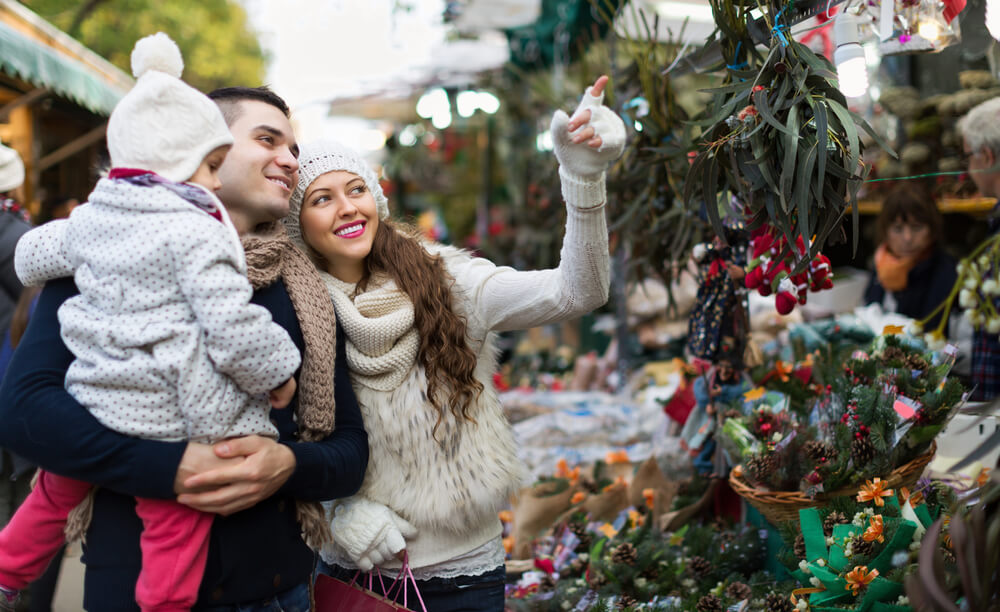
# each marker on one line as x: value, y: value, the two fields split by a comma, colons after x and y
x: 229, y: 98
x: 911, y: 204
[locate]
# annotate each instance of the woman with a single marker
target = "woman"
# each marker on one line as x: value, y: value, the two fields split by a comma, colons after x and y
x: 913, y: 275
x: 419, y: 319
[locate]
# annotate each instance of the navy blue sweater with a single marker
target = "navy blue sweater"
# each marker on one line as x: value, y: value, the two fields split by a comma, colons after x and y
x: 252, y: 554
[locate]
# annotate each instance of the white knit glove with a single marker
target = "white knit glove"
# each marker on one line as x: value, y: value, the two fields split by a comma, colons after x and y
x: 370, y: 533
x: 582, y: 167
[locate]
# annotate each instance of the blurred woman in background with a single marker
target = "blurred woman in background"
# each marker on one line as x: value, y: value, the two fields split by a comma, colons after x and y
x: 913, y: 274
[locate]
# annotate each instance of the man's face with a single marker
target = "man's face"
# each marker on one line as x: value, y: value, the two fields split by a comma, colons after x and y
x: 261, y: 169
x: 978, y: 161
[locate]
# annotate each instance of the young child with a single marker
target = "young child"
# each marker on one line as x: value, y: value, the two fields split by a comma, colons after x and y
x: 167, y: 345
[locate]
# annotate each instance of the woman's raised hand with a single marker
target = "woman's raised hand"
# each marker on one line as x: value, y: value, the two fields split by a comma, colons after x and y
x: 592, y: 138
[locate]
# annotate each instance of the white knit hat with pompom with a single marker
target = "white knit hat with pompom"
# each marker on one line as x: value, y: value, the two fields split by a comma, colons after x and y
x: 164, y: 125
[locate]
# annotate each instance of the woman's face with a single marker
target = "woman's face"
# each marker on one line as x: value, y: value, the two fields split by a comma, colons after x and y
x: 908, y: 238
x: 339, y: 219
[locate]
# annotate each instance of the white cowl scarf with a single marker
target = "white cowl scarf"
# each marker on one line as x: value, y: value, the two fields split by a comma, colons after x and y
x: 382, y: 342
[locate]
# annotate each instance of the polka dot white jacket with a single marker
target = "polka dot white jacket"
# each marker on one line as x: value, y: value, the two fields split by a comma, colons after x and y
x: 167, y: 343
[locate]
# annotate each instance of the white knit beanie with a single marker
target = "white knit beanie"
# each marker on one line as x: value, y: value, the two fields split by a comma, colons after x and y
x: 11, y: 169
x: 164, y: 125
x: 322, y: 156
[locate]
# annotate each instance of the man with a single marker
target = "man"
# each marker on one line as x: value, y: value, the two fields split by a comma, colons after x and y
x: 257, y: 558
x: 980, y: 129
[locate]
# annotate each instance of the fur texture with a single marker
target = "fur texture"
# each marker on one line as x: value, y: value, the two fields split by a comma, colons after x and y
x: 464, y: 475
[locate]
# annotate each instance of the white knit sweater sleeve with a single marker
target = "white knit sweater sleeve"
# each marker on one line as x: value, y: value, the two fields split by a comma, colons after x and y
x: 506, y: 299
x: 40, y: 255
x: 241, y: 338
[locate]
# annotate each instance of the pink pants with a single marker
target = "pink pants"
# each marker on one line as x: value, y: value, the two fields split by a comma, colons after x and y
x: 174, y: 543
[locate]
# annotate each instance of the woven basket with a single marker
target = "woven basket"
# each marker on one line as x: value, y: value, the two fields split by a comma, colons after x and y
x: 778, y: 506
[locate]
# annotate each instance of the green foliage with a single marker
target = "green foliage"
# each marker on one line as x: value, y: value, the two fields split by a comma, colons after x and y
x: 217, y: 43
x: 781, y: 138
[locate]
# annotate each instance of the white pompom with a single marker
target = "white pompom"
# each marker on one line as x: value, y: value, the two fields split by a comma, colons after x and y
x: 157, y: 52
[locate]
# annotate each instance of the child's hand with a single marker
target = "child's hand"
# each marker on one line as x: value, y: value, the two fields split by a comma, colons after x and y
x: 282, y: 396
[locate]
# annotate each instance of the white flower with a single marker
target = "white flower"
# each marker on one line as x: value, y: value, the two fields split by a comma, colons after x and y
x: 640, y: 582
x: 804, y: 567
x: 935, y: 342
x: 971, y: 283
x: 960, y: 268
x: 903, y: 600
x: 990, y: 287
x: 687, y: 583
x: 699, y: 251
x: 583, y: 557
x: 821, y: 562
x: 993, y: 325
x: 830, y: 541
x: 967, y: 298
x: 814, y: 581
x: 914, y: 328
x: 983, y: 261
x: 915, y: 545
x: 870, y: 511
x: 566, y: 605
x: 802, y: 605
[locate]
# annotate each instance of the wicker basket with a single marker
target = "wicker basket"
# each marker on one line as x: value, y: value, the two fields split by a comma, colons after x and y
x: 778, y: 506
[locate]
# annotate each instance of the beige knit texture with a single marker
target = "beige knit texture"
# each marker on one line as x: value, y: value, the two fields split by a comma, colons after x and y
x: 270, y: 256
x: 382, y: 342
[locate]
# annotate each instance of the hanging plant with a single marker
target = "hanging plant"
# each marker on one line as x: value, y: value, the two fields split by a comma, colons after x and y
x: 783, y: 141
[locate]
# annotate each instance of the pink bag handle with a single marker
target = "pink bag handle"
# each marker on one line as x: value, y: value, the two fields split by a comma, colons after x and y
x: 406, y: 575
x: 371, y: 580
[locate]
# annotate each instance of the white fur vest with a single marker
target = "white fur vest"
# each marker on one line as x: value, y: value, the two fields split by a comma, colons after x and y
x: 471, y: 469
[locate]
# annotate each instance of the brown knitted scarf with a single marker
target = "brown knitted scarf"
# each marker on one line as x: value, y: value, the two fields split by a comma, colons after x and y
x: 272, y: 256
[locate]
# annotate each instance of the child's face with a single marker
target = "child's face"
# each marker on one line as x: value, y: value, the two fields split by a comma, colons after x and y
x: 207, y: 174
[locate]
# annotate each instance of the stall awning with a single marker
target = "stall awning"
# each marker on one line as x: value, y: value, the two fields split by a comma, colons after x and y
x: 32, y: 61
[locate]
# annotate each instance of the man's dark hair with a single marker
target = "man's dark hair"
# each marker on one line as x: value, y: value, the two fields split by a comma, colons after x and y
x: 229, y: 98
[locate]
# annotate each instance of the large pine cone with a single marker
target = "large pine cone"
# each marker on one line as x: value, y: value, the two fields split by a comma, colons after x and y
x: 709, y: 603
x: 624, y: 602
x: 699, y: 567
x: 862, y: 451
x: 625, y: 554
x: 860, y: 547
x: 800, y: 546
x: 738, y: 591
x: 778, y: 603
x: 760, y: 467
x: 832, y: 520
x: 818, y: 451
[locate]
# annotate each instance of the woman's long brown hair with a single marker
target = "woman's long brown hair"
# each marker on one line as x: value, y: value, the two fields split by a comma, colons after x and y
x: 444, y: 349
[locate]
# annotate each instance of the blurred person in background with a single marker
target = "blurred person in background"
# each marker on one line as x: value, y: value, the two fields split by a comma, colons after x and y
x: 980, y: 130
x: 913, y: 274
x: 15, y: 474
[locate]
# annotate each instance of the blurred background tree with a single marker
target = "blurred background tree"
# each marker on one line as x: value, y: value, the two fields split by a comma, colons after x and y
x: 218, y: 44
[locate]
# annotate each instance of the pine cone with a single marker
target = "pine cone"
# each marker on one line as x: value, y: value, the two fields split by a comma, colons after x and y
x: 577, y: 529
x: 738, y: 591
x: 625, y: 554
x: 862, y: 451
x: 699, y: 567
x: 760, y: 467
x: 709, y: 603
x: 547, y: 583
x: 832, y: 520
x: 916, y: 362
x: 800, y: 546
x: 893, y: 353
x: 860, y: 547
x: 588, y: 485
x: 597, y: 580
x: 817, y: 451
x: 624, y: 602
x: 651, y: 573
x: 585, y: 541
x: 778, y: 603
